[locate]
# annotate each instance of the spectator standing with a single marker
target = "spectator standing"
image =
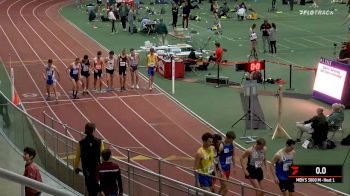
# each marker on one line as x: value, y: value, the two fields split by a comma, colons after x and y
x: 108, y: 176
x: 280, y: 167
x: 186, y: 10
x: 264, y: 28
x: 123, y: 12
x: 131, y: 17
x: 272, y: 38
x: 291, y: 4
x: 31, y: 170
x: 175, y: 12
x: 162, y: 32
x: 253, y: 37
x: 89, y: 151
x: 112, y: 18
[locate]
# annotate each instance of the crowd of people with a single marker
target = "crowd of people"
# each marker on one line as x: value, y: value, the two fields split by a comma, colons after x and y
x: 80, y: 70
x: 215, y: 158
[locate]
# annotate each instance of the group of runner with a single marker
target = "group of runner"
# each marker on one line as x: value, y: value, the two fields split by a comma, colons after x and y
x: 215, y: 158
x: 80, y: 70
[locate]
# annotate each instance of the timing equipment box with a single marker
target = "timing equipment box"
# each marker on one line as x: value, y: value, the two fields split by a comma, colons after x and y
x: 214, y: 79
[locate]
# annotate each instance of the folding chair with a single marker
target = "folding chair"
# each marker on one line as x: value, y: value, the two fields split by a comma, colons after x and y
x: 334, y: 130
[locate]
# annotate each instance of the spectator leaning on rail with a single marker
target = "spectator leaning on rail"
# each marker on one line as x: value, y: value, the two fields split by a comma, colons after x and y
x: 108, y: 175
x: 89, y: 151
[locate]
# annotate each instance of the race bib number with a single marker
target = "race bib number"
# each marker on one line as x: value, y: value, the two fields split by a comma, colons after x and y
x: 211, y: 169
x: 286, y: 166
x: 49, y: 73
x: 122, y: 64
x: 75, y: 71
x: 258, y: 164
x: 85, y: 68
x: 226, y: 150
x: 98, y: 66
x: 228, y: 160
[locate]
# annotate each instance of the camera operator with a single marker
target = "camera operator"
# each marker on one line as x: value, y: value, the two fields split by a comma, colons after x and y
x: 344, y: 55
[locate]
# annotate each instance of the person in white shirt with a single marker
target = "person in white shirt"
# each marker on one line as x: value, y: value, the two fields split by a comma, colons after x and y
x: 112, y: 18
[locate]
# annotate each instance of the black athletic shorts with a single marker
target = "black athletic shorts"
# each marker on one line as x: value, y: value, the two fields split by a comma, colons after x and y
x: 110, y: 71
x: 255, y: 173
x: 98, y: 74
x: 122, y: 70
x: 99, y: 2
x: 85, y: 73
x: 286, y: 185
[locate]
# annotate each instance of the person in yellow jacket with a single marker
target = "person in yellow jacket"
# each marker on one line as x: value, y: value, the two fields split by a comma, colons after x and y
x: 89, y: 151
x: 204, y: 162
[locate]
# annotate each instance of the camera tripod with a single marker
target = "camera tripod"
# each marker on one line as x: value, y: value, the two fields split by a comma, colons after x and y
x: 250, y: 89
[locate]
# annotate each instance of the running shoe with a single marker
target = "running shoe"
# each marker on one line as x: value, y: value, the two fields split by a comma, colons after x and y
x: 137, y: 86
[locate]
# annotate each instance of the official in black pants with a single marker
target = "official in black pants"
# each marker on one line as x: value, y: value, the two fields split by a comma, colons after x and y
x: 291, y: 4
x: 175, y: 11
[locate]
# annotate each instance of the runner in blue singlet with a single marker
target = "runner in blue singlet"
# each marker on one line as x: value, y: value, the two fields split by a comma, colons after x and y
x: 280, y: 167
x: 74, y: 74
x: 50, y: 72
x: 226, y: 157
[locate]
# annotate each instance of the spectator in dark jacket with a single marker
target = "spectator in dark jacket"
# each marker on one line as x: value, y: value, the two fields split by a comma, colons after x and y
x: 186, y: 10
x: 89, y: 151
x: 162, y: 32
x: 108, y: 175
x: 317, y: 125
x: 123, y: 12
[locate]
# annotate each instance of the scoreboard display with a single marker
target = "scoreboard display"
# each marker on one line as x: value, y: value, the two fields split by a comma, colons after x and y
x: 316, y: 173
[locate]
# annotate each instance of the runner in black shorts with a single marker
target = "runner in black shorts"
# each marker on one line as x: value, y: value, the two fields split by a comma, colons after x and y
x: 111, y: 63
x: 74, y: 73
x: 85, y: 73
x: 256, y: 159
x: 123, y: 62
x: 134, y: 62
x: 98, y: 67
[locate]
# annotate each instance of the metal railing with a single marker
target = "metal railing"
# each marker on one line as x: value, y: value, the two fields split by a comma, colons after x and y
x: 154, y: 164
x: 24, y: 181
x: 55, y: 154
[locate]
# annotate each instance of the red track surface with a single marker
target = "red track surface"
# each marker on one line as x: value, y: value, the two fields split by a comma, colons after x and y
x: 150, y: 123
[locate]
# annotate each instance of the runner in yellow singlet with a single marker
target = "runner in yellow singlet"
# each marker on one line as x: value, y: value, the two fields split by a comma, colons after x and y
x: 151, y: 65
x: 204, y: 162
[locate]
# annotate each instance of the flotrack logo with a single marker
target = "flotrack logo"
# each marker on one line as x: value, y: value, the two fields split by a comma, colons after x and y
x: 316, y: 12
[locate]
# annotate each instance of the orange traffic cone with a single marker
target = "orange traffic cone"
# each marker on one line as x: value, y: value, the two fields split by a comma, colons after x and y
x: 15, y: 99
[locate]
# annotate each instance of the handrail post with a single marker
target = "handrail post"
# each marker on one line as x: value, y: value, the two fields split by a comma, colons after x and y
x: 44, y: 115
x: 67, y: 153
x: 196, y: 180
x: 242, y: 188
x: 23, y: 192
x: 129, y: 174
x: 160, y: 178
x: 290, y: 79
